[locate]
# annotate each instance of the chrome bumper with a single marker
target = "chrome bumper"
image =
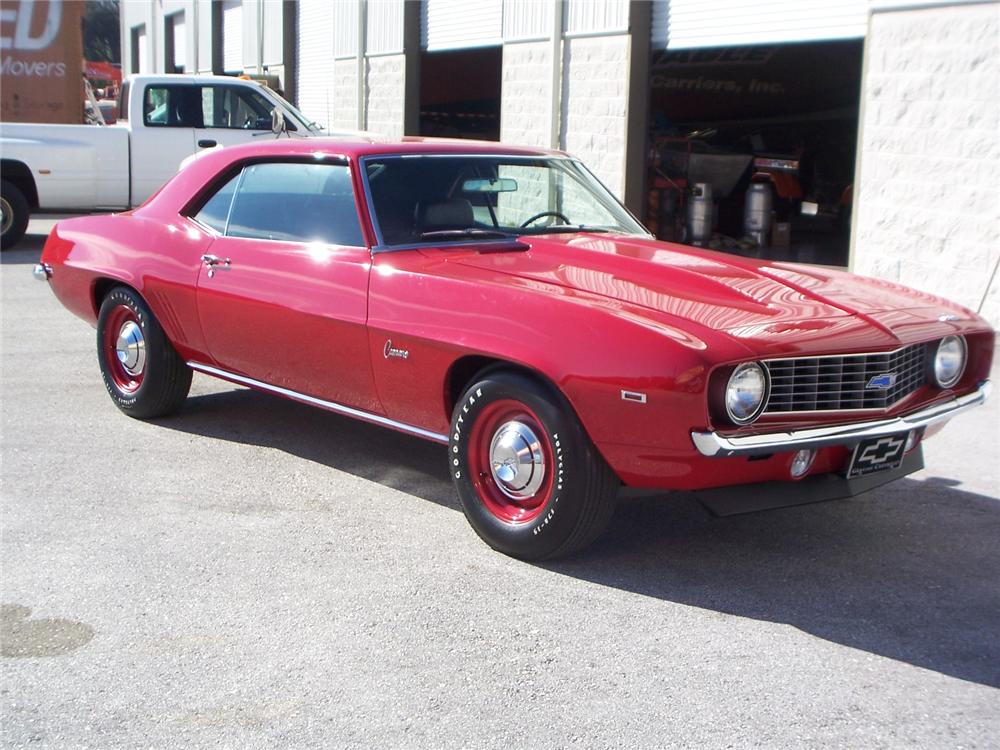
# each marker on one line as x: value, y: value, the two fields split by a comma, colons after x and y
x: 713, y: 444
x: 42, y: 271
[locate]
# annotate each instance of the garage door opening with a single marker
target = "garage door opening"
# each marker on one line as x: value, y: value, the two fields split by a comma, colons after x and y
x: 753, y: 148
x: 460, y: 93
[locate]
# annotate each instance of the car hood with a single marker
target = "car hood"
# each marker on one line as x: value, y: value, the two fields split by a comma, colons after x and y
x: 746, y: 298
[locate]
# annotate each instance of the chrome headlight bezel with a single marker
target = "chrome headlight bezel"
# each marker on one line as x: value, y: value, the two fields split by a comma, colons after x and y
x: 765, y: 391
x: 963, y: 351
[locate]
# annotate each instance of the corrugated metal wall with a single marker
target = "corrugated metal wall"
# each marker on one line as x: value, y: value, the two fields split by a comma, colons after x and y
x: 232, y: 36
x: 527, y: 19
x: 384, y: 30
x: 597, y: 16
x: 345, y: 28
x: 314, y: 66
x: 687, y: 24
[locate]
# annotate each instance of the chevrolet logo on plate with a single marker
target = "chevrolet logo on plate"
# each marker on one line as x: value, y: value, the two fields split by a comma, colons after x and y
x: 882, y: 382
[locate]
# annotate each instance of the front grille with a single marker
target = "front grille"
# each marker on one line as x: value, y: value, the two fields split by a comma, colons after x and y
x: 832, y: 383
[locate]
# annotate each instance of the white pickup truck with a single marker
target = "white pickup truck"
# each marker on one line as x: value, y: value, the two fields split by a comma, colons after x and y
x: 162, y: 120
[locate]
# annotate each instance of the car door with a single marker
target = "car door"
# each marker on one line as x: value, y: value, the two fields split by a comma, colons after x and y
x: 164, y: 136
x: 232, y: 115
x: 282, y: 293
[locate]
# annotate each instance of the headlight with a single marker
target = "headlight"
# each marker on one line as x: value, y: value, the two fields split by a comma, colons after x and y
x: 746, y: 393
x: 949, y: 361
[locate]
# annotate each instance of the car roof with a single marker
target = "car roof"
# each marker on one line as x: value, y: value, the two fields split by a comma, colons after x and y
x: 355, y: 146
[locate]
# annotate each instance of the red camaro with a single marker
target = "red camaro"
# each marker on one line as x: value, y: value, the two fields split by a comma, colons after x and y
x: 500, y: 301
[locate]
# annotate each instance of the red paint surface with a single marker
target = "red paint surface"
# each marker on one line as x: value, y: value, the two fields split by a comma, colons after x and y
x: 594, y: 314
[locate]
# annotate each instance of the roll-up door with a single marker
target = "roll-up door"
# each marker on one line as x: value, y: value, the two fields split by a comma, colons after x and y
x: 232, y: 36
x: 687, y: 24
x: 461, y: 24
x: 180, y: 42
x: 314, y: 66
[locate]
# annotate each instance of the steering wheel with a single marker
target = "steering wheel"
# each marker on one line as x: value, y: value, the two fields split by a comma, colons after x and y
x: 536, y: 217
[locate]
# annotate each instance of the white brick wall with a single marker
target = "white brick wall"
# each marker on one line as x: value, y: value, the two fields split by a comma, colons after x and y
x: 928, y: 202
x: 526, y: 94
x: 385, y: 91
x: 595, y: 91
x: 345, y: 94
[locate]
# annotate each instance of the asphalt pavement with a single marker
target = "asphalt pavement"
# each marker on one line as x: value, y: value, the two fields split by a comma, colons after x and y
x: 257, y: 573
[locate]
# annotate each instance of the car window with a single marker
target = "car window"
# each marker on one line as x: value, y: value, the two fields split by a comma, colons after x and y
x: 215, y: 212
x: 235, y: 107
x: 296, y: 202
x: 172, y: 107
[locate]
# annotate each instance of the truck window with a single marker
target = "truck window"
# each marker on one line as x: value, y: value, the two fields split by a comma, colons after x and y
x: 235, y: 107
x: 171, y: 107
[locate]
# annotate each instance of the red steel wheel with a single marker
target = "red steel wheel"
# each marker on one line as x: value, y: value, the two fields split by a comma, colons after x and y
x: 531, y: 482
x: 511, y: 461
x: 143, y: 373
x: 124, y: 348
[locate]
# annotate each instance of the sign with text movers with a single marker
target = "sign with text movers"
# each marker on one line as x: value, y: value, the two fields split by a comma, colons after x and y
x: 41, y: 54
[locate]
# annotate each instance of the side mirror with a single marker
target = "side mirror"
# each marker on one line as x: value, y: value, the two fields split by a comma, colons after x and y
x: 278, y: 125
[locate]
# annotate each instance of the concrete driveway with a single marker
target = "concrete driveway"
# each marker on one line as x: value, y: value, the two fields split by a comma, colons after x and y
x: 255, y: 573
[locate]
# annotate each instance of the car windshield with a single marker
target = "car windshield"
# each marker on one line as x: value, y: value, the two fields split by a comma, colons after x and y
x: 424, y: 199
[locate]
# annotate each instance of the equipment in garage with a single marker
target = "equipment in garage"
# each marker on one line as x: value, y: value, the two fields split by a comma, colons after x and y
x: 771, y: 131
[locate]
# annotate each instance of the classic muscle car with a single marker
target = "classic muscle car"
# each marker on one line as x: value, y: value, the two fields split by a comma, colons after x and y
x: 500, y: 301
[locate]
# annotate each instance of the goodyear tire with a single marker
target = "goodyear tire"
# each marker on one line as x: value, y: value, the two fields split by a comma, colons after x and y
x: 530, y: 481
x: 144, y: 375
x: 14, y: 214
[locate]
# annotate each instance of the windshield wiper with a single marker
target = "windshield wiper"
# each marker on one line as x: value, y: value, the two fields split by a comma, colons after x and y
x: 569, y: 228
x: 467, y: 233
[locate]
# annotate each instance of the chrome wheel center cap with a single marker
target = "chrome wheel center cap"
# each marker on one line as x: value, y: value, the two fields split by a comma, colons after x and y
x: 517, y: 461
x: 131, y: 348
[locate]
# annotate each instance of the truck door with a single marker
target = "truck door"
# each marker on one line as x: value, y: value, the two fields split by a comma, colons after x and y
x: 233, y: 114
x: 163, y: 134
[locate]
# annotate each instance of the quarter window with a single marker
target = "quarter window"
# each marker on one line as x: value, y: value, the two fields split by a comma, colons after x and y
x: 289, y: 202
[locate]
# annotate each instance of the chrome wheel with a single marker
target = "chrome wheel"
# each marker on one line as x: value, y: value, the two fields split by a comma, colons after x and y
x: 131, y: 348
x: 517, y: 461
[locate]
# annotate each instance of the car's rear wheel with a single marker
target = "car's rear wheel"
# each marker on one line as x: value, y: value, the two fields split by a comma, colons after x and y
x: 143, y: 373
x: 530, y: 481
x: 14, y: 214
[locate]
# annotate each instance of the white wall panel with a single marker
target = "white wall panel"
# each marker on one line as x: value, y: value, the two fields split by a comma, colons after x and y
x: 461, y: 24
x: 204, y: 32
x: 384, y: 30
x: 686, y: 24
x: 232, y: 36
x: 314, y: 44
x: 180, y: 41
x: 527, y: 19
x: 273, y: 30
x: 598, y: 16
x: 345, y: 27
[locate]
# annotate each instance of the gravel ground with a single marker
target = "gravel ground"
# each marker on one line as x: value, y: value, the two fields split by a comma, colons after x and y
x: 255, y: 573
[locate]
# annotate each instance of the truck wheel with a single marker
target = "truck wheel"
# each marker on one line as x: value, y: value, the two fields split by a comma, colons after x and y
x: 144, y: 375
x: 14, y: 214
x: 531, y: 483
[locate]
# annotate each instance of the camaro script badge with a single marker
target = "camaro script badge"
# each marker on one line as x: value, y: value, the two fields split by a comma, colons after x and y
x: 882, y: 382
x: 390, y: 351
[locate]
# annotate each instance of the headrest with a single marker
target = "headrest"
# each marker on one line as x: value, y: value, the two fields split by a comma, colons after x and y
x: 455, y: 213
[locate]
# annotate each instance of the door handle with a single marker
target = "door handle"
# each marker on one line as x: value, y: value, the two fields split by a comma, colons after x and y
x: 211, y: 261
x: 207, y: 143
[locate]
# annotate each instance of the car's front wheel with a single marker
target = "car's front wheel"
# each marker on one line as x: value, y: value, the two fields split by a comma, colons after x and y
x: 142, y: 371
x: 530, y: 481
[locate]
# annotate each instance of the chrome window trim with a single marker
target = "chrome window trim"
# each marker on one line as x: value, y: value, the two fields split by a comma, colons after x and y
x: 333, y: 406
x: 716, y: 445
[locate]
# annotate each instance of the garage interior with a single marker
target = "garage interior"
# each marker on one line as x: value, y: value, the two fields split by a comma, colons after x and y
x: 752, y: 149
x: 460, y: 93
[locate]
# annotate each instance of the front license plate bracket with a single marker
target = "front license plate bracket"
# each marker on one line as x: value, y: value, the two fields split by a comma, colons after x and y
x: 877, y: 454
